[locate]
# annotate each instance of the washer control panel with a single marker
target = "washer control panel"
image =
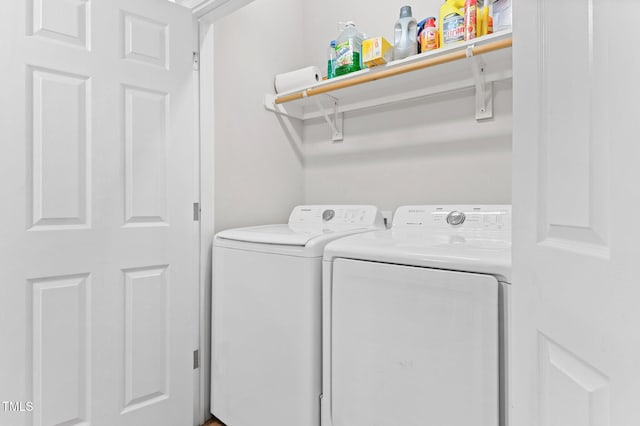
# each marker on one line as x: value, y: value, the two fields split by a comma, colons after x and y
x: 338, y: 215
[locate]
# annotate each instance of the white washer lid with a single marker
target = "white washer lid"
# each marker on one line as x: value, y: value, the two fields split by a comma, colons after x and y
x: 308, y: 222
x: 274, y: 234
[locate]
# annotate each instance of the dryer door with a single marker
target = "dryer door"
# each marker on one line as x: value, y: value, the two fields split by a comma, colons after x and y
x: 413, y: 346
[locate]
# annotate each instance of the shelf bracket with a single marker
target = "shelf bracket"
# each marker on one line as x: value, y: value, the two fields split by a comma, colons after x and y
x: 280, y: 109
x: 337, y: 124
x: 484, y: 89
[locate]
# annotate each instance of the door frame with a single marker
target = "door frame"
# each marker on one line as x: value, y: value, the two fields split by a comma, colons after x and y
x: 205, y: 15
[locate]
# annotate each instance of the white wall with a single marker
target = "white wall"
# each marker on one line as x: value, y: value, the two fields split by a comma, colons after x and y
x: 429, y: 151
x: 258, y: 176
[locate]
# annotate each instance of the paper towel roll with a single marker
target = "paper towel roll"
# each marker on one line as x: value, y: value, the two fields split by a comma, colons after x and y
x: 298, y: 79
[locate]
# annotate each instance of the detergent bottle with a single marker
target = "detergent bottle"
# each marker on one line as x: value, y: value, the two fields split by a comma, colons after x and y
x: 429, y: 39
x: 348, y: 50
x: 451, y: 25
x: 405, y: 35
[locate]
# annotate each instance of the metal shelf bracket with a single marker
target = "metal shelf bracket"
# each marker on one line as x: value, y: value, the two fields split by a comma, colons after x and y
x: 484, y: 89
x: 337, y: 125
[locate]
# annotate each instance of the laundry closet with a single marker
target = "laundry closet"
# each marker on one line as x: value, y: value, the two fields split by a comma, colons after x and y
x: 436, y: 136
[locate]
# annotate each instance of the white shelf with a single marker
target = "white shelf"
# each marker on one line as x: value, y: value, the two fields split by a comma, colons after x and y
x: 476, y: 63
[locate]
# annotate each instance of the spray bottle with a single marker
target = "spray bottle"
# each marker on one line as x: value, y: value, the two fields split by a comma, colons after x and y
x: 470, y: 19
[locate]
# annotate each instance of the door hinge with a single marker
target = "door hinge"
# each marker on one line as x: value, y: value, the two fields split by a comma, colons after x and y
x: 196, y: 359
x: 196, y: 212
x: 196, y: 61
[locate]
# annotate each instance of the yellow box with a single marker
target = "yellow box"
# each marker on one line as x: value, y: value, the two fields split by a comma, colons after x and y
x: 376, y: 51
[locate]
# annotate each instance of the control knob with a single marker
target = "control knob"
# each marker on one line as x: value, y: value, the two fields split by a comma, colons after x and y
x: 456, y: 218
x: 328, y: 214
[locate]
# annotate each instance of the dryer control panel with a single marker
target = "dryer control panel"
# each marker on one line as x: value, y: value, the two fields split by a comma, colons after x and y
x: 336, y: 215
x: 473, y: 219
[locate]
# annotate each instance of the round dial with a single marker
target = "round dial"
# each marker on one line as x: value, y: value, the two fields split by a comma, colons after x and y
x: 456, y: 218
x: 327, y: 215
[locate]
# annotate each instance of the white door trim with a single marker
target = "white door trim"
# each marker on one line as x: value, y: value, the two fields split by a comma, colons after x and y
x: 207, y: 9
x: 207, y: 184
x: 206, y: 16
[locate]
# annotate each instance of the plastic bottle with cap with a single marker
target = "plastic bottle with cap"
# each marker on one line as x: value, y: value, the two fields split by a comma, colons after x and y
x: 348, y: 49
x: 405, y: 35
x: 451, y: 24
x: 429, y: 38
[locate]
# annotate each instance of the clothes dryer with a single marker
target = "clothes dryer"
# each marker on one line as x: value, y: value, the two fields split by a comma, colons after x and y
x: 266, y: 315
x: 414, y: 317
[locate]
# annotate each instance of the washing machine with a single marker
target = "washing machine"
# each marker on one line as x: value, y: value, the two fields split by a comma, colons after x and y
x: 266, y: 315
x: 414, y: 320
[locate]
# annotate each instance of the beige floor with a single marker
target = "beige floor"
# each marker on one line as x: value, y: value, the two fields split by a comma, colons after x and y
x: 213, y: 422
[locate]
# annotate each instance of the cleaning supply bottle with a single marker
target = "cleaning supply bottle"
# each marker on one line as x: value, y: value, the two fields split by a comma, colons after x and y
x: 488, y: 20
x: 429, y: 39
x: 348, y: 50
x: 405, y: 35
x: 451, y: 22
x: 421, y: 25
x: 480, y: 21
x: 470, y: 19
x: 485, y: 22
x: 502, y: 15
x: 331, y: 60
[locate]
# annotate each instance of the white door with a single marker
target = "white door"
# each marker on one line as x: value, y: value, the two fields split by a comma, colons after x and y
x: 98, y: 302
x: 576, y: 286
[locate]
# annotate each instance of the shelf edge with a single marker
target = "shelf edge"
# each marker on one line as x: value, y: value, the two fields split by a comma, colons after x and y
x: 462, y: 52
